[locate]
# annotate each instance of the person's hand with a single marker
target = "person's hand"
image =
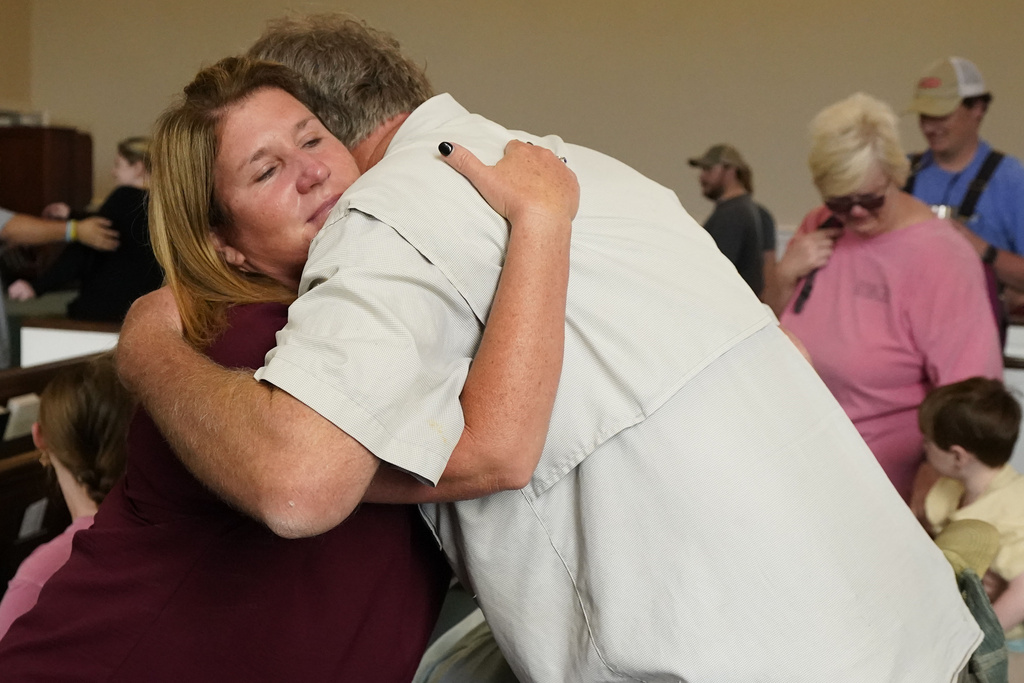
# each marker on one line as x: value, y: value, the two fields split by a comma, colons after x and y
x: 57, y: 211
x: 529, y: 179
x: 807, y: 252
x: 21, y: 290
x: 95, y: 232
x: 994, y: 585
x: 1013, y: 299
x: 153, y: 315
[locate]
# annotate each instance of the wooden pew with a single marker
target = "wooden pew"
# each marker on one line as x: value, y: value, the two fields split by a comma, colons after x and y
x: 23, y: 481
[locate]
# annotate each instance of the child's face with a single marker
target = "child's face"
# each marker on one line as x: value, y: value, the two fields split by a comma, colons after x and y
x: 944, y: 462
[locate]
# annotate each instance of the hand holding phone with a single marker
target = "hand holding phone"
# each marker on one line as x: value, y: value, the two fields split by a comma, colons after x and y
x: 814, y: 250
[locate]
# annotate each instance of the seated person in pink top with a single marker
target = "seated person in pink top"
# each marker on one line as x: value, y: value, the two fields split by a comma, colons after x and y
x: 83, y: 423
x: 889, y: 300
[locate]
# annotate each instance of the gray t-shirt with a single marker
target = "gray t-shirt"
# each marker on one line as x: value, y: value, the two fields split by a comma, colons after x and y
x: 767, y: 228
x: 735, y: 227
x: 5, y: 216
x: 5, y: 342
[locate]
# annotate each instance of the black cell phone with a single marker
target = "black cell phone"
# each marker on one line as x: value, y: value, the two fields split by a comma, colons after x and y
x: 830, y: 222
x: 805, y: 291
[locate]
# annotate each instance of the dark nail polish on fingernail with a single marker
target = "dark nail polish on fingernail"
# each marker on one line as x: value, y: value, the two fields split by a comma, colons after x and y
x: 445, y: 148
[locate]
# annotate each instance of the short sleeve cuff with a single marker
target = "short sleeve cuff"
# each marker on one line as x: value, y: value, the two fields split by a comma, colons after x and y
x: 423, y: 463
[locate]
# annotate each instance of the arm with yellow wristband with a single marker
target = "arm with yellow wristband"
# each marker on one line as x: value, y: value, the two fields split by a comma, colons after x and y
x: 23, y: 230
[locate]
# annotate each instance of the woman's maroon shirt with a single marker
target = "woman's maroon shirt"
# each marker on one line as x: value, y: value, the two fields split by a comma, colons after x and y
x: 170, y: 584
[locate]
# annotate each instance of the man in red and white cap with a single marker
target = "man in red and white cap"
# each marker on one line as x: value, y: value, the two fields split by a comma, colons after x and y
x: 951, y: 99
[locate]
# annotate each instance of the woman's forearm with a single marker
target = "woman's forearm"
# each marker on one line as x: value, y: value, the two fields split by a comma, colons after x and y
x: 258, y: 448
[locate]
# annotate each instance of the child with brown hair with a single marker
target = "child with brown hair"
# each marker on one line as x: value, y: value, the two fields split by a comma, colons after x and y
x: 970, y: 428
x: 81, y: 432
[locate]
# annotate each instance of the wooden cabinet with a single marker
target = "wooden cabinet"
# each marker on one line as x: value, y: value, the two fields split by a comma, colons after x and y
x: 39, y: 166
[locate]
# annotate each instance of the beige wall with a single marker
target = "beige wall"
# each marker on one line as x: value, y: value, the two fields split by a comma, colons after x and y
x: 650, y: 81
x: 15, y: 54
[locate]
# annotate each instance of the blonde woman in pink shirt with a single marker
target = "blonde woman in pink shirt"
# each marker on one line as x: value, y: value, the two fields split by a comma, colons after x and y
x: 889, y: 300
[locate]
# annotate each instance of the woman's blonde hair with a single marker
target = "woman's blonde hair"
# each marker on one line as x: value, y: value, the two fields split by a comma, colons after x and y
x: 184, y: 210
x: 136, y: 149
x: 84, y: 414
x: 851, y: 137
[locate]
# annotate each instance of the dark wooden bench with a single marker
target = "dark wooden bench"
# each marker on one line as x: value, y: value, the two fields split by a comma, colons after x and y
x: 23, y: 481
x: 57, y: 323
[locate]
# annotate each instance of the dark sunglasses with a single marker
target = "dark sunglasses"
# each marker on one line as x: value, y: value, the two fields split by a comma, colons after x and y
x: 845, y: 204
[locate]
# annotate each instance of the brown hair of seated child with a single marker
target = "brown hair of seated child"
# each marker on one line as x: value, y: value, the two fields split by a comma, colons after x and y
x: 978, y: 414
x: 84, y: 414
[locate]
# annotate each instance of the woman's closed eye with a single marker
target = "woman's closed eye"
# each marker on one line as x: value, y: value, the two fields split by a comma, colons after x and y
x: 266, y: 174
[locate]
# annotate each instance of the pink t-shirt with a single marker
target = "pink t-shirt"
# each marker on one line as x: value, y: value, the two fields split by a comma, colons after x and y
x: 889, y: 318
x: 23, y: 590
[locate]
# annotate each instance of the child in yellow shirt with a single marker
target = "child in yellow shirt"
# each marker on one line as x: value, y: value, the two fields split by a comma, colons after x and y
x: 970, y: 428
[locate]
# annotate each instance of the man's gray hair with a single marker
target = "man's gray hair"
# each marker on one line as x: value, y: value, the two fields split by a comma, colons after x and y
x: 358, y: 75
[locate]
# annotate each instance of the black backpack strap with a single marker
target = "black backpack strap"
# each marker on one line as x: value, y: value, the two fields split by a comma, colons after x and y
x: 916, y: 163
x: 988, y: 167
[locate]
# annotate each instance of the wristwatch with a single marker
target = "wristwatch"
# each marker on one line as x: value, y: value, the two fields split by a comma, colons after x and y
x: 989, y: 257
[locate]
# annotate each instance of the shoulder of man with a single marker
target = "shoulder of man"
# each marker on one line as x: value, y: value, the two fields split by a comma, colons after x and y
x: 741, y: 206
x: 764, y: 215
x: 1010, y: 169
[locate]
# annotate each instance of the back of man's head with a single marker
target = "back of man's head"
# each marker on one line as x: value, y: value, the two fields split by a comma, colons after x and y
x: 358, y: 75
x: 978, y: 414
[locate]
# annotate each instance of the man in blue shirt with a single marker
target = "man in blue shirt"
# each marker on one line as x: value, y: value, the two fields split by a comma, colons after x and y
x: 951, y: 100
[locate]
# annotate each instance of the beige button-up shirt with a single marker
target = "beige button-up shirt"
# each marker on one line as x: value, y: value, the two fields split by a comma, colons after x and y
x: 702, y: 511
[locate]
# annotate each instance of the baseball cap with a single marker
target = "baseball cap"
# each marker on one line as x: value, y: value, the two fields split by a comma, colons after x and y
x: 944, y: 84
x: 719, y: 154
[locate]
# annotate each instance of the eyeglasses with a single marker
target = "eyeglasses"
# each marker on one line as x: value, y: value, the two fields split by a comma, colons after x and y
x: 845, y: 204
